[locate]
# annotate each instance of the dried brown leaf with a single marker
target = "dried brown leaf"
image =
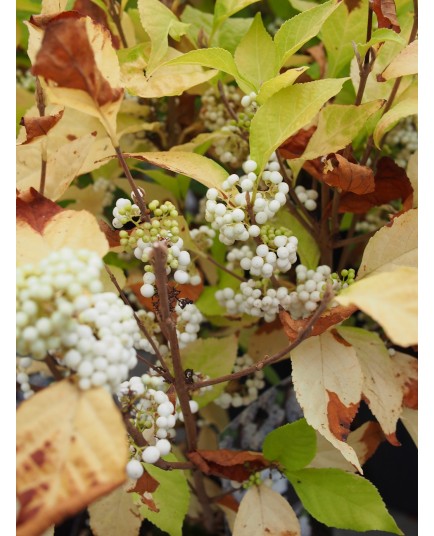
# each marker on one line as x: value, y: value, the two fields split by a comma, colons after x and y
x: 295, y: 145
x: 96, y: 13
x: 349, y: 177
x: 236, y: 465
x: 39, y: 126
x: 386, y: 14
x: 406, y: 372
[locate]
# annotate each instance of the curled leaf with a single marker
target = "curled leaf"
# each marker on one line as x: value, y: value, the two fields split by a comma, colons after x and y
x: 349, y: 177
x: 386, y: 14
x: 39, y: 126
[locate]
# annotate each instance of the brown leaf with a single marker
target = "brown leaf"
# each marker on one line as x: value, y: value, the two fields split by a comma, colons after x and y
x: 340, y: 416
x: 71, y: 449
x: 42, y: 21
x: 352, y: 4
x: 112, y: 235
x: 318, y: 54
x: 371, y: 438
x: 92, y: 10
x: 66, y: 57
x: 35, y: 210
x: 145, y: 484
x: 236, y: 465
x: 39, y: 126
x: 295, y: 145
x: 386, y: 14
x: 349, y: 177
x: 406, y: 372
x: 329, y: 318
x: 391, y: 182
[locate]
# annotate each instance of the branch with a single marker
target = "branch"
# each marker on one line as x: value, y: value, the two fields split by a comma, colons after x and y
x: 114, y: 13
x: 40, y: 103
x: 52, y: 365
x: 269, y: 360
x: 230, y: 109
x: 222, y: 267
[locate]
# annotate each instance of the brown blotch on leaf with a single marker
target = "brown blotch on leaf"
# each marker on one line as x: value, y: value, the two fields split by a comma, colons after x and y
x: 39, y: 126
x: 371, y: 438
x: 410, y: 399
x: 339, y: 338
x: 393, y: 440
x: 38, y: 457
x: 66, y: 58
x: 42, y: 21
x: 340, y: 416
x: 386, y: 14
x: 35, y: 210
x: 145, y: 484
x: 92, y: 10
x: 71, y: 137
x: 352, y: 4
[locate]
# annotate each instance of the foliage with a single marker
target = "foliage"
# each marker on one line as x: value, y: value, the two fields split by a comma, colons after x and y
x: 233, y: 181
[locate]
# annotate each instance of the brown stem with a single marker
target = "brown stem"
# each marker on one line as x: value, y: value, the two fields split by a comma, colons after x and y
x: 335, y: 212
x: 346, y: 252
x: 43, y: 175
x: 353, y: 240
x: 40, y: 98
x: 138, y: 197
x: 52, y: 365
x: 165, y: 373
x: 230, y: 110
x: 223, y: 267
x: 269, y: 360
x: 204, y: 500
x: 114, y: 14
x: 158, y: 258
x: 40, y: 103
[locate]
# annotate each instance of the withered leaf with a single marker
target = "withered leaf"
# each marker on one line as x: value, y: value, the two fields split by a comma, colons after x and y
x: 386, y: 14
x: 145, y: 484
x: 340, y: 416
x: 406, y: 372
x: 295, y: 145
x: 329, y: 318
x: 349, y: 177
x: 66, y: 58
x: 43, y: 20
x: 35, y: 210
x: 92, y: 10
x: 71, y: 449
x: 233, y: 464
x: 391, y: 182
x: 39, y: 126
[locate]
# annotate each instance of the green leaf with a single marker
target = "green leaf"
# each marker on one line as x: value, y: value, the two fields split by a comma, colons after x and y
x: 255, y: 56
x: 270, y: 87
x: 292, y: 445
x: 295, y: 32
x: 307, y: 249
x: 338, y: 33
x: 225, y: 8
x: 405, y: 108
x: 342, y: 500
x: 285, y: 113
x: 172, y: 498
x: 338, y: 125
x: 159, y: 22
x: 212, y: 357
x: 381, y: 35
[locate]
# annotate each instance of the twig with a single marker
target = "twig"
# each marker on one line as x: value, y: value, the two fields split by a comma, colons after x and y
x: 114, y: 13
x: 352, y: 240
x: 40, y: 103
x: 335, y: 212
x: 222, y: 267
x: 158, y: 258
x: 165, y: 373
x: 52, y: 365
x: 230, y: 110
x: 345, y: 253
x: 204, y: 500
x: 269, y: 360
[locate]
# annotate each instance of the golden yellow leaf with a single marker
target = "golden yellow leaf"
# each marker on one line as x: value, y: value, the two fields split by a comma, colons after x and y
x: 264, y: 512
x: 115, y: 514
x: 71, y: 449
x: 392, y: 246
x: 390, y: 298
x: 404, y: 64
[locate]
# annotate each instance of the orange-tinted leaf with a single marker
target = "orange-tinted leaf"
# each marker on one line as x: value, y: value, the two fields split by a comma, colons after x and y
x: 35, y: 210
x: 233, y: 464
x: 391, y: 182
x: 295, y: 145
x: 66, y: 57
x: 111, y: 234
x: 340, y: 416
x: 349, y: 177
x: 92, y: 10
x: 386, y: 14
x: 39, y: 126
x: 406, y: 371
x: 329, y: 318
x: 145, y: 484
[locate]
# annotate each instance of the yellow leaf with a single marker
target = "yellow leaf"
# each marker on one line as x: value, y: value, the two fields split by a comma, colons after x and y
x: 392, y: 246
x: 53, y: 6
x: 272, y: 86
x: 390, y: 298
x: 404, y: 108
x: 71, y: 449
x: 412, y: 174
x: 409, y: 420
x: 328, y: 384
x: 404, y: 64
x: 115, y: 514
x: 264, y: 512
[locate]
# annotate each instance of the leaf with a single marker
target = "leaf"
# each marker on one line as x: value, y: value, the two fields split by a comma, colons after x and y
x: 329, y: 403
x: 292, y: 445
x: 409, y: 420
x: 404, y: 64
x: 98, y: 14
x: 390, y: 298
x: 39, y: 126
x: 386, y: 14
x: 272, y: 86
x: 348, y: 177
x: 71, y: 449
x: 212, y: 357
x: 338, y: 125
x: 406, y: 372
x: 78, y: 57
x: 391, y: 118
x: 43, y: 227
x: 295, y: 32
x: 360, y: 506
x: 255, y: 56
x: 53, y: 6
x: 331, y: 317
x: 391, y: 182
x: 225, y: 8
x: 380, y: 36
x: 115, y: 514
x: 264, y: 512
x: 364, y: 440
x: 196, y: 166
x: 267, y: 339
x: 233, y: 464
x: 159, y: 22
x: 392, y: 246
x: 284, y: 113
x: 412, y: 174
x: 338, y: 33
x: 171, y: 498
x: 380, y: 389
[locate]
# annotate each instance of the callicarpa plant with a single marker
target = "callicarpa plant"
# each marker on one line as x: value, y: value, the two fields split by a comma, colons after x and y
x: 216, y: 263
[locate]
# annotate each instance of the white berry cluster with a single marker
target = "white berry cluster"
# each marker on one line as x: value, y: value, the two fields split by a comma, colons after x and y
x: 310, y: 288
x: 187, y: 323
x: 152, y: 326
x: 124, y: 212
x: 374, y: 219
x: 229, y: 216
x: 307, y: 197
x: 403, y: 140
x: 266, y: 261
x: 213, y: 112
x: 23, y: 380
x: 203, y: 237
x: 248, y: 391
x: 107, y: 187
x: 236, y: 255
